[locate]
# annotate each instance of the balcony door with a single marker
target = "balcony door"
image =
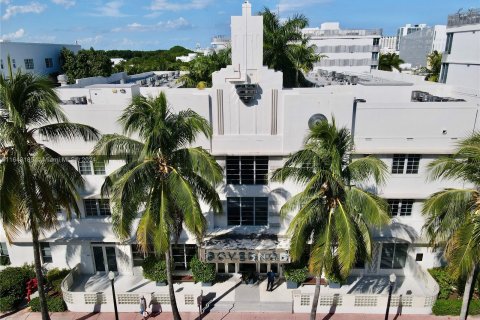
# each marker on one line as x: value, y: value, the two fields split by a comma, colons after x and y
x: 105, y: 258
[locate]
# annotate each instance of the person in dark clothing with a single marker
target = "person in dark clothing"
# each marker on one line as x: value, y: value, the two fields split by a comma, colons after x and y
x: 270, y: 280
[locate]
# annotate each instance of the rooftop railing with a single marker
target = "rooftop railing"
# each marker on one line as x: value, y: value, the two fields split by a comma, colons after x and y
x: 471, y: 16
x: 344, y: 32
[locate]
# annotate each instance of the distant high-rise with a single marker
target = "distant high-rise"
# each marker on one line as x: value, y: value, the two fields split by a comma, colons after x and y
x: 388, y: 44
x: 407, y: 29
x: 416, y: 46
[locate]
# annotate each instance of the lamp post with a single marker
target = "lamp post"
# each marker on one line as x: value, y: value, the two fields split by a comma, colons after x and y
x: 393, y: 278
x: 111, y: 276
x: 354, y: 116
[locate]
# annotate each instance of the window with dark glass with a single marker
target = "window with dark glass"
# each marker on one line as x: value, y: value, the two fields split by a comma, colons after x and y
x: 48, y: 62
x: 46, y: 252
x: 86, y: 166
x: 394, y: 255
x: 247, y: 211
x: 182, y: 254
x: 247, y: 170
x: 28, y: 64
x: 448, y: 44
x: 444, y: 73
x: 405, y: 163
x: 419, y: 257
x: 97, y: 207
x: 4, y: 257
x: 137, y: 255
x: 400, y: 207
x: 376, y: 41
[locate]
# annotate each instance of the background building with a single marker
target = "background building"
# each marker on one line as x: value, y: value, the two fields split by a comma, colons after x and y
x: 39, y: 58
x: 345, y: 49
x: 407, y: 29
x: 417, y: 45
x: 388, y: 44
x: 461, y: 58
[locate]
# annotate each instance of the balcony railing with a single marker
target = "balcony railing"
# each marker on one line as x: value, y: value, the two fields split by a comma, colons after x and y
x: 343, y: 33
x: 471, y: 16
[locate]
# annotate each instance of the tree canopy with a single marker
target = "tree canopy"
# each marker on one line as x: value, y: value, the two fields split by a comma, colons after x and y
x: 86, y: 63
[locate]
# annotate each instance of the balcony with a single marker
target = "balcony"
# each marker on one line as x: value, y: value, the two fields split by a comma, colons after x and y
x: 344, y: 33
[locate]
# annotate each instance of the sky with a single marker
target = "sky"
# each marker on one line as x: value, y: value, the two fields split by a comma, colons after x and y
x: 161, y: 24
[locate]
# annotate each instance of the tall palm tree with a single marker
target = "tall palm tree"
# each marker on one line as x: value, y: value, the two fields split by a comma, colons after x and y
x: 334, y: 213
x: 303, y: 57
x: 389, y: 61
x: 453, y: 215
x: 434, y: 60
x: 34, y: 179
x: 163, y: 178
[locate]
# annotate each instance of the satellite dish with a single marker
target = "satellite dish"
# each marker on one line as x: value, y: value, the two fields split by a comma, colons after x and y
x: 316, y: 119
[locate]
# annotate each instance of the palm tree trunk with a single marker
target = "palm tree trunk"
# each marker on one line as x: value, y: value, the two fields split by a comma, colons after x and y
x: 316, y: 296
x: 296, y: 78
x: 466, y: 295
x: 38, y: 272
x: 173, y: 301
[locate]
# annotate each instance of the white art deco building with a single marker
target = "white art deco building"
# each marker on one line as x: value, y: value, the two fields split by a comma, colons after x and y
x: 404, y: 121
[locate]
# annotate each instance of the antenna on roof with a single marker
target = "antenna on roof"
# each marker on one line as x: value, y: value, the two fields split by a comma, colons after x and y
x: 459, y: 10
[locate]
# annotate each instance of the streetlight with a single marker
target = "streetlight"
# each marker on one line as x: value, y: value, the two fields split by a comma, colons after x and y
x: 111, y: 276
x: 354, y: 116
x: 393, y: 278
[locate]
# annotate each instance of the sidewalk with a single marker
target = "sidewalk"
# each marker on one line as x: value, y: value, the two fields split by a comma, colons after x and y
x: 219, y: 316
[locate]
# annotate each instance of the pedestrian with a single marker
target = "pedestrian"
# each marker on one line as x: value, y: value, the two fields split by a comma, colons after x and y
x: 270, y: 279
x: 143, y: 308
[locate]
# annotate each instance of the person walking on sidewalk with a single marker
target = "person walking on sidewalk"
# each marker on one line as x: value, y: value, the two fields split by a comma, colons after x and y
x: 143, y: 308
x: 270, y: 280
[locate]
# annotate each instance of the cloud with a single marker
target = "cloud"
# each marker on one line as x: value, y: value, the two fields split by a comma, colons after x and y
x: 295, y: 5
x: 110, y: 9
x: 33, y: 7
x: 66, y: 3
x: 4, y: 1
x: 168, y: 5
x: 175, y: 24
x: 90, y: 41
x: 14, y: 35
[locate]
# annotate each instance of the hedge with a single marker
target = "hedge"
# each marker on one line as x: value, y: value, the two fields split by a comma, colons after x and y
x: 54, y: 304
x: 55, y: 278
x: 13, y: 283
x: 155, y: 269
x: 201, y: 271
x: 447, y: 282
x: 444, y: 307
x: 295, y: 273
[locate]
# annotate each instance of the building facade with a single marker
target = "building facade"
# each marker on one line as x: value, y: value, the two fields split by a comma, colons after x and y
x: 388, y: 44
x: 38, y: 58
x: 416, y: 46
x: 252, y: 136
x: 461, y: 57
x: 345, y: 50
x: 407, y: 29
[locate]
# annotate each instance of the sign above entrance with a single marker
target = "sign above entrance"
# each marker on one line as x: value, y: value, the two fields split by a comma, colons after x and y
x: 231, y: 256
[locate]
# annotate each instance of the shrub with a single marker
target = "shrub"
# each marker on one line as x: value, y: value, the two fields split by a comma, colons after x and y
x: 447, y: 283
x: 154, y: 269
x: 445, y: 307
x: 202, y: 271
x: 295, y: 274
x: 55, y: 304
x: 13, y: 282
x: 55, y: 278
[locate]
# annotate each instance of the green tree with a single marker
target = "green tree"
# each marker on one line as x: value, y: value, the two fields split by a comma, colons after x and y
x: 201, y: 68
x: 86, y: 63
x: 333, y: 211
x: 163, y: 178
x: 303, y: 57
x: 434, y: 60
x: 389, y: 61
x: 452, y: 215
x: 35, y: 179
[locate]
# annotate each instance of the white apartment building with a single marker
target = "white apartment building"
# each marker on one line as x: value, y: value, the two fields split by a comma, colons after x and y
x: 417, y: 45
x: 400, y: 122
x: 461, y: 57
x: 39, y: 58
x: 388, y: 44
x: 346, y: 50
x: 407, y: 29
x: 220, y: 42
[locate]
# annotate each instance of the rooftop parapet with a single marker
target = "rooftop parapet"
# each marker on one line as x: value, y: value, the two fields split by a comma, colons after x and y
x: 342, y: 32
x: 471, y: 16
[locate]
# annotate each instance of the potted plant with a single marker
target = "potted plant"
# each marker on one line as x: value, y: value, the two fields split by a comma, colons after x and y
x: 155, y: 269
x: 203, y: 272
x: 295, y: 275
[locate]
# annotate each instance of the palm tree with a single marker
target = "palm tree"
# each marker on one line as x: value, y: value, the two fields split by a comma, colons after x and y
x: 388, y: 61
x: 334, y: 212
x: 201, y: 68
x: 34, y: 179
x: 452, y: 215
x: 163, y: 178
x: 434, y: 60
x: 303, y: 56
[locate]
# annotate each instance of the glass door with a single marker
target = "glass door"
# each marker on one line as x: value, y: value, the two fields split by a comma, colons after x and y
x: 105, y: 258
x: 98, y: 257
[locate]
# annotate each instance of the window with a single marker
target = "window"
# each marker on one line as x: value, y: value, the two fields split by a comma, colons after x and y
x: 182, y: 254
x: 444, y: 73
x: 138, y: 255
x: 374, y: 56
x: 247, y: 170
x: 46, y: 252
x: 14, y: 64
x: 400, y: 207
x: 86, y: 166
x: 28, y: 64
x: 376, y: 41
x: 1, y: 63
x: 48, y: 62
x: 398, y: 164
x: 247, y: 211
x: 448, y: 44
x: 4, y: 257
x: 97, y: 207
x: 419, y: 257
x: 394, y: 255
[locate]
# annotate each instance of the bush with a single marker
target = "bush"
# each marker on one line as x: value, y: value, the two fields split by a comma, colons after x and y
x: 55, y: 278
x: 444, y: 307
x: 447, y: 283
x: 154, y: 269
x: 13, y: 282
x: 295, y: 274
x: 55, y: 304
x: 201, y: 271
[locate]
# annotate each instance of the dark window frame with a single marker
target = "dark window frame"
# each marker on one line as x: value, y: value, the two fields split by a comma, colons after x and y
x: 46, y: 252
x: 394, y: 255
x: 252, y: 211
x: 406, y: 163
x: 97, y: 208
x: 400, y: 207
x: 29, y: 64
x: 4, y: 255
x: 247, y: 170
x: 48, y: 63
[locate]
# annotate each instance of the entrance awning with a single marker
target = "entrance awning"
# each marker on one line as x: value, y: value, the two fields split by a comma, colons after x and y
x: 247, y: 242
x: 396, y: 232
